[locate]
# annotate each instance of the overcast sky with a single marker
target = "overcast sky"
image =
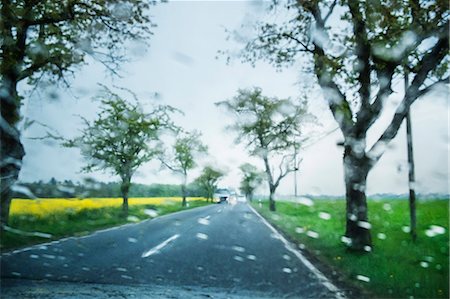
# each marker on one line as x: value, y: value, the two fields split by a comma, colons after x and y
x: 181, y: 66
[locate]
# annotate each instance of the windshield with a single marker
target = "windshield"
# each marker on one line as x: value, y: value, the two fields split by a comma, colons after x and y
x: 224, y: 149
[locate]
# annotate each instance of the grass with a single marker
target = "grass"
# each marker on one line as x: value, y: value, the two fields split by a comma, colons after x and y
x: 76, y: 221
x: 396, y: 267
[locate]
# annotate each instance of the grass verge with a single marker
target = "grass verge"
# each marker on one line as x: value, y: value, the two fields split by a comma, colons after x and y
x: 61, y: 224
x: 396, y: 267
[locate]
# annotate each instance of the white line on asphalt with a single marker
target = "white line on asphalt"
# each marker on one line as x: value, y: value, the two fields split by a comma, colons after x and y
x: 327, y: 283
x: 157, y: 248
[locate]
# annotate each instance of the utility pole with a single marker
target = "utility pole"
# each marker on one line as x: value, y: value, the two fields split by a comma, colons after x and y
x: 411, y: 174
x: 295, y: 170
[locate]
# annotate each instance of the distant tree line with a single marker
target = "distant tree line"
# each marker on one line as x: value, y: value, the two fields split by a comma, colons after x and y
x: 89, y: 188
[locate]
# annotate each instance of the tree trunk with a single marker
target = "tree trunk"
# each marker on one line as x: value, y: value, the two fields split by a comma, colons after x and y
x: 125, y: 188
x: 183, y: 193
x: 272, y: 206
x: 357, y: 225
x: 12, y: 150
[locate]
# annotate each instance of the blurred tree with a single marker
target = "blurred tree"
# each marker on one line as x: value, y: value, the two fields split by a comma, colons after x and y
x: 187, y: 146
x: 355, y: 48
x: 251, y: 179
x: 208, y: 181
x: 271, y: 129
x: 122, y: 138
x: 48, y: 39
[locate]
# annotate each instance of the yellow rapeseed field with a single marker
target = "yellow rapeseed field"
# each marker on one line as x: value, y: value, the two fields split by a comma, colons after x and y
x: 44, y: 206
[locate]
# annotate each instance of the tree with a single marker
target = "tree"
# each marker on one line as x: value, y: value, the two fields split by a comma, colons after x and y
x: 187, y: 147
x: 251, y: 179
x: 271, y: 128
x: 208, y: 181
x: 355, y: 60
x: 46, y: 40
x: 122, y: 138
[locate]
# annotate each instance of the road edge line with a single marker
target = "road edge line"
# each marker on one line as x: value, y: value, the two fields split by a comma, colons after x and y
x: 288, y: 245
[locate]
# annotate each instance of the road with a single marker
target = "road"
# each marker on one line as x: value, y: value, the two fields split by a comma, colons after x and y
x: 217, y: 251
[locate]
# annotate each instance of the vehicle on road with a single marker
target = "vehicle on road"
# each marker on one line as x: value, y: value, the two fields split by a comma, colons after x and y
x: 221, y: 195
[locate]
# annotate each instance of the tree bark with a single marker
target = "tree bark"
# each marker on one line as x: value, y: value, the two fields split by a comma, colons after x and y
x: 272, y: 206
x: 125, y: 188
x: 183, y: 193
x: 12, y: 150
x: 357, y: 229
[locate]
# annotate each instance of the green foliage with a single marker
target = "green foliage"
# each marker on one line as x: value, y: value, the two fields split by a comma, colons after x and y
x: 266, y: 124
x: 397, y: 267
x: 185, y: 150
x: 52, y: 37
x: 251, y: 179
x: 269, y: 127
x: 90, y: 188
x: 208, y: 180
x: 123, y: 137
x: 81, y: 223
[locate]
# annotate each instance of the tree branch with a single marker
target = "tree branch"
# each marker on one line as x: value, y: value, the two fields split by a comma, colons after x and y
x: 428, y: 63
x: 330, y: 11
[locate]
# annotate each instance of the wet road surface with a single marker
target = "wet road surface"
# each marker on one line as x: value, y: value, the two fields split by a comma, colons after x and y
x: 216, y: 250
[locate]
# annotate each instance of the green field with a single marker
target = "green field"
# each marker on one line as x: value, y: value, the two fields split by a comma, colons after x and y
x: 69, y: 223
x: 396, y: 267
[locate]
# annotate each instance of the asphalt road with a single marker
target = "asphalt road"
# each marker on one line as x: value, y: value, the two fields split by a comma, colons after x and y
x: 217, y: 251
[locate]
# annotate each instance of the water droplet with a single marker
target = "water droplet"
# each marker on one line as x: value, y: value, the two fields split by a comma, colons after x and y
x: 367, y: 248
x: 364, y: 224
x: 132, y: 219
x: 299, y: 230
x: 387, y: 207
x: 312, y: 234
x: 126, y: 277
x: 203, y: 221
x: 202, y: 236
x: 86, y: 269
x: 238, y: 258
x: 16, y: 273
x: 305, y: 201
x: 238, y: 248
x: 49, y: 256
x: 381, y: 236
x: 34, y: 256
x: 121, y: 269
x: 286, y: 257
x: 287, y: 270
x: 151, y: 213
x: 434, y: 230
x: 406, y: 229
x: 363, y: 278
x: 251, y: 257
x: 346, y: 240
x: 324, y: 216
x: 132, y: 240
x: 424, y: 264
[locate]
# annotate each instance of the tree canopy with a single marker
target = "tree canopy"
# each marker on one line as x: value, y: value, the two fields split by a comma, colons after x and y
x: 46, y: 40
x: 251, y: 179
x: 122, y: 137
x: 208, y: 180
x: 185, y: 151
x: 270, y: 128
x: 355, y: 49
